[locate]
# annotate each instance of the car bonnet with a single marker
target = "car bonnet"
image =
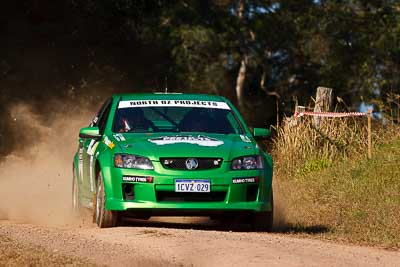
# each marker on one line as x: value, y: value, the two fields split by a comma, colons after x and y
x: 155, y: 146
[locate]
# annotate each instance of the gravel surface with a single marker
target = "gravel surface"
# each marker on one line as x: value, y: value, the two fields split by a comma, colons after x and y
x: 20, y: 253
x: 174, y: 242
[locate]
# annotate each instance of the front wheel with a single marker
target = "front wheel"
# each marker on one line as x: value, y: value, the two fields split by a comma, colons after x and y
x: 263, y: 221
x: 104, y: 218
x: 76, y: 204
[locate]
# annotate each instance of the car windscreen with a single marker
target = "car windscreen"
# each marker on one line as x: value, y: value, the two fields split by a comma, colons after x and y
x: 175, y: 118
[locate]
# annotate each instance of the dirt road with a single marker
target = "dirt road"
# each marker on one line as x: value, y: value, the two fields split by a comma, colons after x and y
x: 174, y: 244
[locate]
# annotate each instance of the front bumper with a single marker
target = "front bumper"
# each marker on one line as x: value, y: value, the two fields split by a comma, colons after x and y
x: 160, y: 198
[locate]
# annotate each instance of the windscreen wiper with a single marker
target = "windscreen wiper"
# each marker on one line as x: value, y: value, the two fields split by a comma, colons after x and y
x: 164, y: 116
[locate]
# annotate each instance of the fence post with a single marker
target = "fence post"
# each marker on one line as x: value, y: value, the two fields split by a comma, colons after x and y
x: 323, y: 102
x: 369, y: 134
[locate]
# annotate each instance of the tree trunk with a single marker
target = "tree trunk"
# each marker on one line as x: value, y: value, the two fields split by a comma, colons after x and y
x: 263, y: 79
x: 240, y: 81
x: 241, y: 9
x: 242, y: 70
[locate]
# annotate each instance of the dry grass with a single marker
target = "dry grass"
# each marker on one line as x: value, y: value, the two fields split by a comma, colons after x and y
x: 390, y: 107
x: 325, y: 180
x: 334, y: 139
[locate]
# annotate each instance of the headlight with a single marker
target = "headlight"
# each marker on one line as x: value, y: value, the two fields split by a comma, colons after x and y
x: 132, y: 162
x: 247, y: 163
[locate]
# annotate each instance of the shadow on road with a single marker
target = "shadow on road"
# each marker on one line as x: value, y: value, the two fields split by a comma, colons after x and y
x: 205, y: 224
x: 196, y: 223
x: 299, y: 229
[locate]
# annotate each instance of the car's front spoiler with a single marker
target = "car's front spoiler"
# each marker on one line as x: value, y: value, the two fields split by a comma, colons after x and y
x: 146, y: 213
x: 184, y: 207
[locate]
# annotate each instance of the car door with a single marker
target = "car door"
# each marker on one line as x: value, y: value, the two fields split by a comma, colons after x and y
x: 89, y: 149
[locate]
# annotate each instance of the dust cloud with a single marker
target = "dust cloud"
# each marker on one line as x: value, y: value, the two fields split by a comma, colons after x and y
x: 35, y: 179
x: 280, y: 218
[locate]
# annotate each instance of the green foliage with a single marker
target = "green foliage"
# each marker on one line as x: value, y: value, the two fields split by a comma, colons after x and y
x: 291, y: 46
x: 198, y: 58
x: 314, y: 166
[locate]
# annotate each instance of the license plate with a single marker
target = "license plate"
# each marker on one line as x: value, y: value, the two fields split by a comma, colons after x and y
x: 189, y: 185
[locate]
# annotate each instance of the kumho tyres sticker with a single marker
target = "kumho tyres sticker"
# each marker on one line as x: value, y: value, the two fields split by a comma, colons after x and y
x: 173, y: 103
x: 244, y: 180
x: 137, y: 179
x: 200, y: 140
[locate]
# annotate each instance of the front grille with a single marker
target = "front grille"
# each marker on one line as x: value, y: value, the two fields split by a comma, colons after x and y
x: 190, y: 197
x: 180, y: 163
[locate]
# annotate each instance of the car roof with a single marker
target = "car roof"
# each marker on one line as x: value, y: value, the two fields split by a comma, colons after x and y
x: 170, y: 96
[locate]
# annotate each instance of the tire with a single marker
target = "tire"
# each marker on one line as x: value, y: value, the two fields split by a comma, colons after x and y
x: 76, y: 203
x: 104, y: 218
x: 263, y: 221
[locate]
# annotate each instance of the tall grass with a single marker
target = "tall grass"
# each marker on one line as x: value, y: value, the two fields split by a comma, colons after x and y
x: 323, y: 178
x: 334, y: 139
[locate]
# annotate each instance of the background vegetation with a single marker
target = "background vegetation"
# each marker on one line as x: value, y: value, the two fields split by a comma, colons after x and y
x: 252, y: 51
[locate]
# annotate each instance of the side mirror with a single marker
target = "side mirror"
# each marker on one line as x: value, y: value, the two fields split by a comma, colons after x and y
x: 261, y: 133
x: 90, y: 132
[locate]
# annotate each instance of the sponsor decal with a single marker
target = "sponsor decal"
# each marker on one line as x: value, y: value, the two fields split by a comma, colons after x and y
x: 245, y: 138
x: 138, y: 179
x: 119, y: 137
x: 173, y: 103
x: 108, y: 143
x: 200, y: 140
x: 245, y: 180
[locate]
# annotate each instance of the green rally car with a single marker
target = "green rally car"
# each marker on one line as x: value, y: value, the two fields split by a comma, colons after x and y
x: 166, y: 154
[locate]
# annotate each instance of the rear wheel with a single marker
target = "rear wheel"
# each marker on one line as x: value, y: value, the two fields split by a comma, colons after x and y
x: 104, y: 218
x: 263, y: 221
